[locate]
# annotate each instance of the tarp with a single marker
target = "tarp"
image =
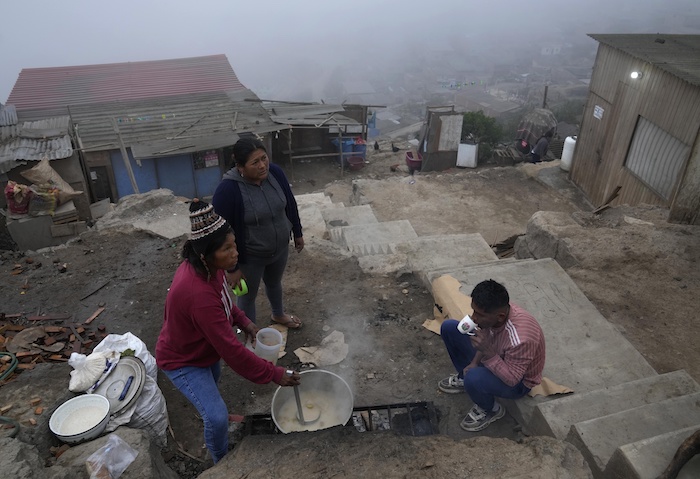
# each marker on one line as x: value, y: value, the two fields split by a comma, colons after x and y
x: 533, y: 126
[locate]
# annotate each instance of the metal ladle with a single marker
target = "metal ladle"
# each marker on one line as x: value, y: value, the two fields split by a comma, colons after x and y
x: 300, y: 410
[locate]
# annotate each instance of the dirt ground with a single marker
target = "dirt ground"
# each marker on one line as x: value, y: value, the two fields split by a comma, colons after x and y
x: 642, y: 278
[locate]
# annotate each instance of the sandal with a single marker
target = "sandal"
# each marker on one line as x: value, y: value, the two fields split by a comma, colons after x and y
x: 288, y: 320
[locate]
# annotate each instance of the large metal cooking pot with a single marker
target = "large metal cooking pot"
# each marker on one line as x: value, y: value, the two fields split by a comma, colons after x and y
x: 318, y: 389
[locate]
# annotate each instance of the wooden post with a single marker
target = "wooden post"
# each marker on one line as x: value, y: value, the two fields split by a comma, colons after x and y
x: 544, y: 101
x: 289, y: 147
x: 340, y: 147
x: 125, y: 157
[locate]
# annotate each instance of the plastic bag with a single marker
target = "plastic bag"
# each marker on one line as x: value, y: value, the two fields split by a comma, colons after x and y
x: 17, y: 197
x: 44, y: 201
x: 44, y: 174
x: 111, y: 460
x: 149, y: 413
x: 88, y: 371
x: 122, y: 342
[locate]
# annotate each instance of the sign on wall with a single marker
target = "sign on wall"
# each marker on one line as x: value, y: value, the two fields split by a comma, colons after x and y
x: 598, y: 112
x: 206, y: 159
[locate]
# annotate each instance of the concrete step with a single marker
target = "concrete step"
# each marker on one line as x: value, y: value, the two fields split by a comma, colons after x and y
x: 648, y: 458
x: 316, y: 199
x: 430, y: 253
x: 377, y: 238
x: 597, y: 439
x: 336, y: 218
x: 310, y: 208
x: 555, y: 417
x: 348, y: 216
x: 584, y: 351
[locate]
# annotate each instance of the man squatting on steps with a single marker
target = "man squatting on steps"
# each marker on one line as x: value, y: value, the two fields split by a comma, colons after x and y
x: 505, y: 358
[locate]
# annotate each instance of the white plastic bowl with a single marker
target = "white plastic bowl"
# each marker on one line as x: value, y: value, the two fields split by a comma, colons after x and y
x: 80, y: 419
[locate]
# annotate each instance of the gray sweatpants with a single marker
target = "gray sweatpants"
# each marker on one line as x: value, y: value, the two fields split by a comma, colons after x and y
x: 270, y: 270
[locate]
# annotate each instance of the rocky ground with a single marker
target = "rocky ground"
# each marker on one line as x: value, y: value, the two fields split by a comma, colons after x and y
x: 642, y: 277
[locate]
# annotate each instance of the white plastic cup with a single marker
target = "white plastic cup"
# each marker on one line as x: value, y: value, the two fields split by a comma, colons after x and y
x: 268, y: 342
x: 467, y: 326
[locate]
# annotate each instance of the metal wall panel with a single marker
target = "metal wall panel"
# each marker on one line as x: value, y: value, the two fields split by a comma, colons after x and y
x: 656, y: 157
x: 665, y: 100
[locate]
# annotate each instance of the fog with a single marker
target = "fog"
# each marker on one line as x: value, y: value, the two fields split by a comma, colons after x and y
x: 303, y: 49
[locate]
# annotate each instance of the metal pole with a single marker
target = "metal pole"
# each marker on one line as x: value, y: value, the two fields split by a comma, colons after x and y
x: 125, y: 157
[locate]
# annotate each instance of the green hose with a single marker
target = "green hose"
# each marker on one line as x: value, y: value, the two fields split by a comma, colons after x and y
x: 10, y: 370
x: 13, y: 365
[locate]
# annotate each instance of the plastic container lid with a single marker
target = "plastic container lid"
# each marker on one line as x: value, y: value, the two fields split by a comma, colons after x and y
x: 119, y: 391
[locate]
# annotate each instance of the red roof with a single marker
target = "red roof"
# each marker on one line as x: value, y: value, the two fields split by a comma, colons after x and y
x: 40, y: 88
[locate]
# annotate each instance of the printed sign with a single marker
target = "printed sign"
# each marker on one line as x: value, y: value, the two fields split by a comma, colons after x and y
x: 598, y: 112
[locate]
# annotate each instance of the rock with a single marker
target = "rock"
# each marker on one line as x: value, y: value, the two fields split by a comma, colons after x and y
x: 20, y: 460
x: 345, y: 452
x: 48, y: 381
x: 546, y: 237
x: 149, y: 463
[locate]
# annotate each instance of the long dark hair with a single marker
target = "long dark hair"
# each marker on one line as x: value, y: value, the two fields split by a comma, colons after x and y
x: 192, y: 256
x: 244, y: 147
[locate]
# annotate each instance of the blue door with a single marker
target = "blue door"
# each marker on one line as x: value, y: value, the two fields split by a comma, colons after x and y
x: 176, y: 173
x: 145, y: 175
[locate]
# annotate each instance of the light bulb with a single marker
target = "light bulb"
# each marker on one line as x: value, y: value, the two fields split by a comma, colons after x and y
x: 636, y: 75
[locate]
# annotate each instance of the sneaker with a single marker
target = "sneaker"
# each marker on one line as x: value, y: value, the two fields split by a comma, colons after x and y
x: 451, y: 384
x: 478, y: 419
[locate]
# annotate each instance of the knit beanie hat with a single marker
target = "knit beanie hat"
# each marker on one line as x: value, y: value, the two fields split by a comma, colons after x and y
x: 206, y: 225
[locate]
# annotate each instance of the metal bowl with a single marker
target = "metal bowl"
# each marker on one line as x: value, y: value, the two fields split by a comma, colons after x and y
x: 313, y: 383
x: 80, y: 419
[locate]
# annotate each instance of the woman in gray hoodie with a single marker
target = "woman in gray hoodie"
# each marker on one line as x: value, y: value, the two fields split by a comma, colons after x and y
x: 256, y: 200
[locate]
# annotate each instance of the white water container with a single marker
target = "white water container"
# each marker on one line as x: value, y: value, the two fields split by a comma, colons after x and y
x: 268, y: 343
x: 567, y: 154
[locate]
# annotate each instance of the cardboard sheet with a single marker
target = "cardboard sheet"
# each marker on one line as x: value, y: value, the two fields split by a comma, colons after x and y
x: 449, y: 302
x: 331, y: 351
x: 548, y: 388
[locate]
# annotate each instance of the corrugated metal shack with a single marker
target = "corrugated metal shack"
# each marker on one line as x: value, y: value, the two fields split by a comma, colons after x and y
x: 641, y: 122
x: 311, y: 128
x: 440, y: 138
x: 24, y: 143
x: 172, y: 118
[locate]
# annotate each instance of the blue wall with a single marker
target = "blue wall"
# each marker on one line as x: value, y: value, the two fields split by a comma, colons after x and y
x: 176, y: 173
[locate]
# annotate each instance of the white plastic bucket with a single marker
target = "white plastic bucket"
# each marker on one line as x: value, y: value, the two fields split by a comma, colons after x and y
x: 268, y: 342
x: 567, y: 155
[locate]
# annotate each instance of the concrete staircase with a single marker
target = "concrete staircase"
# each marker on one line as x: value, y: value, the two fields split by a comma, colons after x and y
x: 626, y: 419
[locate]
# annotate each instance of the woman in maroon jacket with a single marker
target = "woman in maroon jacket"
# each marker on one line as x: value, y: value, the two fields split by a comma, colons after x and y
x: 199, y: 327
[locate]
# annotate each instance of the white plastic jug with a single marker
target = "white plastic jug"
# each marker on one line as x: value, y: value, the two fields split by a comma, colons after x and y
x: 268, y: 343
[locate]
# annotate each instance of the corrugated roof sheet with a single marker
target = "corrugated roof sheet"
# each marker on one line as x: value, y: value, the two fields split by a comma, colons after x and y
x: 49, y: 88
x: 8, y: 115
x: 678, y: 55
x: 305, y: 114
x: 34, y: 140
x: 171, y: 123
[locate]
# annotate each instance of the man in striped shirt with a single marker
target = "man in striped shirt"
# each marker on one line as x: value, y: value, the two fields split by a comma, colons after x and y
x: 504, y: 358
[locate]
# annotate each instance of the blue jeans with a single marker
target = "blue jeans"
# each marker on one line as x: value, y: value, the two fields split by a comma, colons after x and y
x: 199, y: 385
x: 480, y: 383
x: 270, y: 270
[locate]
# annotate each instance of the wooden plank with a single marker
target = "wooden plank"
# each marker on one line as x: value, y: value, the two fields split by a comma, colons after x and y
x: 54, y: 329
x: 95, y: 315
x: 50, y: 317
x: 102, y: 285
